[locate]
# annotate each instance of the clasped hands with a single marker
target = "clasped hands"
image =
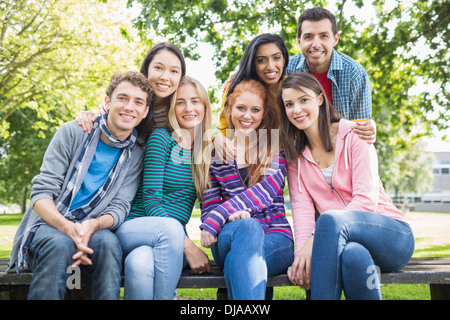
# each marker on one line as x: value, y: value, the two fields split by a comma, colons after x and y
x: 81, y: 234
x: 208, y: 240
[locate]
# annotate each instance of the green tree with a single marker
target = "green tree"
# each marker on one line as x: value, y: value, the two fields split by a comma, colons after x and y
x: 56, y: 59
x: 411, y: 172
x: 62, y: 52
x: 404, y: 44
x: 24, y: 151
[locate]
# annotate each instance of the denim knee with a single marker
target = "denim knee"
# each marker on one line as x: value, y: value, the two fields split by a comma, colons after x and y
x: 250, y: 225
x: 105, y: 240
x: 333, y: 219
x: 106, y: 247
x: 140, y: 261
x: 173, y: 233
x: 49, y: 243
x: 355, y: 255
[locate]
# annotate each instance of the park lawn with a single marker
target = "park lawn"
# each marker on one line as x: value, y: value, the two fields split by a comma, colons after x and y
x: 8, y: 222
x: 389, y: 292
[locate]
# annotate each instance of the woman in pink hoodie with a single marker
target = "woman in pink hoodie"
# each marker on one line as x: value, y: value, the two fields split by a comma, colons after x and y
x: 335, y: 173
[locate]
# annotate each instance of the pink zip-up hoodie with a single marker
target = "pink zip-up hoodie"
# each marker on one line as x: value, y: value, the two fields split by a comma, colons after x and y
x: 355, y: 184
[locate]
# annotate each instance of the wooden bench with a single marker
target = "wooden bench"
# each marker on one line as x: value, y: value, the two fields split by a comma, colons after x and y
x: 433, y: 271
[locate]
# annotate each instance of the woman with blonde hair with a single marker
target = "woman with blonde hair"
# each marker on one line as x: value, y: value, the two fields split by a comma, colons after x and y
x: 153, y: 237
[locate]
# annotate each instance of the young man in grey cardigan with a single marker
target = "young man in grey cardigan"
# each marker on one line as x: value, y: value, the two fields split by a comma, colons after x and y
x: 84, y: 190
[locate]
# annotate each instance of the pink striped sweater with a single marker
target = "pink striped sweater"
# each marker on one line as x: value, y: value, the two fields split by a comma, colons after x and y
x: 228, y: 194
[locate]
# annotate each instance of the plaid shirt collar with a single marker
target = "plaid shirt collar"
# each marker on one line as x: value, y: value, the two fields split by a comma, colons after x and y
x: 336, y: 63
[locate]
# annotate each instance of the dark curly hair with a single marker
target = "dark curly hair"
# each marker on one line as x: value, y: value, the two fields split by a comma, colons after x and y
x: 145, y: 127
x: 316, y: 14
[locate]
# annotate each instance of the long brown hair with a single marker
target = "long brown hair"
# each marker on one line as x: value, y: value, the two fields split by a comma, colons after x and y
x: 149, y: 121
x: 247, y: 68
x: 265, y: 148
x: 160, y: 47
x: 293, y: 139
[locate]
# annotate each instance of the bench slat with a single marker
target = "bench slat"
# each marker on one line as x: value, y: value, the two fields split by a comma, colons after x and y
x: 430, y: 261
x: 418, y: 270
x: 433, y: 271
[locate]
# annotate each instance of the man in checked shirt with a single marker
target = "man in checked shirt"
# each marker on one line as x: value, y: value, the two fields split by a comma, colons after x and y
x: 345, y: 81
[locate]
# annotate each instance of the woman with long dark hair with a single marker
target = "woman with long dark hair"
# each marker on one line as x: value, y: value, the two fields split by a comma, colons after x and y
x: 334, y: 172
x: 265, y: 60
x: 164, y: 66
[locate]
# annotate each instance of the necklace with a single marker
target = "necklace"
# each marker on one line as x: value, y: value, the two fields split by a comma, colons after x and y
x: 318, y: 158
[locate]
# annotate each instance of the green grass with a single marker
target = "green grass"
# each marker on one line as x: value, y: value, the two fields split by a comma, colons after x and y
x: 389, y: 292
x: 433, y: 251
x: 10, y: 219
x: 7, y: 220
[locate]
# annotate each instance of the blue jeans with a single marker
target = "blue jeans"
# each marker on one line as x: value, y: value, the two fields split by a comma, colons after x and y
x: 348, y: 249
x: 153, y: 248
x: 248, y: 256
x: 51, y: 254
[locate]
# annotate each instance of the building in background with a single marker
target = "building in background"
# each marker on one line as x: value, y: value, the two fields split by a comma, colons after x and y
x: 438, y: 199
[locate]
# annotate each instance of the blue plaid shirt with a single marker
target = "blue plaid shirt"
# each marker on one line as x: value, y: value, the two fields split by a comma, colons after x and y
x: 351, y: 89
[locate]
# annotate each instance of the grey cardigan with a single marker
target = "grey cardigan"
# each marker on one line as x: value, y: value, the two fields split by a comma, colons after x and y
x: 59, y: 159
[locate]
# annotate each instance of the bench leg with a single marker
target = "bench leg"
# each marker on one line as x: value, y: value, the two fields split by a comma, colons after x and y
x: 222, y: 294
x: 84, y: 293
x: 440, y: 291
x: 15, y: 292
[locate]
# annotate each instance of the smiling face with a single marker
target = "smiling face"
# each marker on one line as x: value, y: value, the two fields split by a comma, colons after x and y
x: 164, y: 73
x: 302, y: 107
x: 317, y: 42
x: 269, y: 63
x: 126, y: 107
x: 189, y: 108
x: 247, y: 112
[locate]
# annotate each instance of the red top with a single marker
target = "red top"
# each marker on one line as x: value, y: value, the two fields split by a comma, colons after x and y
x: 326, y: 84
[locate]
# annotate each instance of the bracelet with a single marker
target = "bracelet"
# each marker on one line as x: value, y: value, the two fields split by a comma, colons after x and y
x: 99, y: 224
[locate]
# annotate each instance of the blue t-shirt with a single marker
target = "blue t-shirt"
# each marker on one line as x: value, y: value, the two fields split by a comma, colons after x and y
x: 105, y: 158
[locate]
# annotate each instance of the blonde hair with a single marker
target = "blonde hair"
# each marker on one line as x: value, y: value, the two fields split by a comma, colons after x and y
x: 201, y: 154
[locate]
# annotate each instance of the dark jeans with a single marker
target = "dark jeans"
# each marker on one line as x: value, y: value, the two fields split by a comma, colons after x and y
x: 51, y: 254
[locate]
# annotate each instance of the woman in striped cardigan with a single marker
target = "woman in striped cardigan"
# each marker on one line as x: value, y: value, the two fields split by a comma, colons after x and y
x: 243, y: 216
